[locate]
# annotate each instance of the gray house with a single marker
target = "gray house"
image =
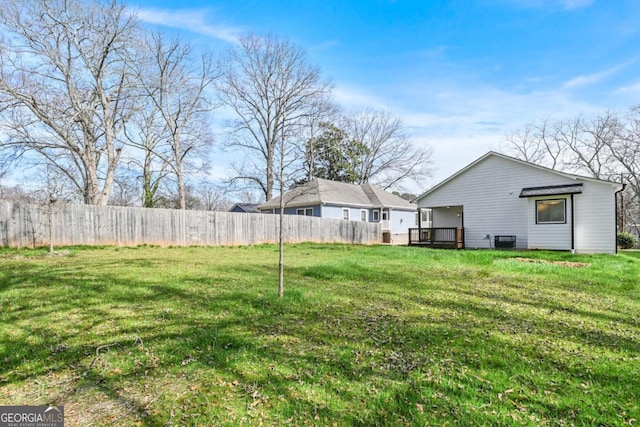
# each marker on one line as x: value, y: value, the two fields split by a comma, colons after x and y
x: 500, y: 201
x: 339, y: 200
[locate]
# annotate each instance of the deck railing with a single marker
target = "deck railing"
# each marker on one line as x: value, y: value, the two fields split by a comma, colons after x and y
x: 450, y: 237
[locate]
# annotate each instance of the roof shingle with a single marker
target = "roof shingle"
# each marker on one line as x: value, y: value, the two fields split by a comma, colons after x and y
x: 323, y: 191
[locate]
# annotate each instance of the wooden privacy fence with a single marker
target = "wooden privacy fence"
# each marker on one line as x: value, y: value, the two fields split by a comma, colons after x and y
x: 28, y: 225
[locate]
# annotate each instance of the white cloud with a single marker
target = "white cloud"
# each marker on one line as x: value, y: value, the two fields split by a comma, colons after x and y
x: 462, y: 118
x: 633, y: 89
x: 463, y: 121
x: 355, y: 98
x: 192, y: 20
x: 593, y: 78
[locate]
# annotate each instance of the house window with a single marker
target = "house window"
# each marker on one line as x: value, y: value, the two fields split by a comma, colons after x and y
x: 426, y: 218
x: 305, y: 211
x: 385, y: 215
x: 551, y: 211
x: 376, y: 216
x: 345, y: 213
x: 363, y: 215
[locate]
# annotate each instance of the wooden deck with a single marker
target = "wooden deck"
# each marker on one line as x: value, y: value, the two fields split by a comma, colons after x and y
x: 441, y: 238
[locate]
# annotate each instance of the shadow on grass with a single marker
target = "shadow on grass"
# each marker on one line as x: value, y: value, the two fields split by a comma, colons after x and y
x: 376, y: 348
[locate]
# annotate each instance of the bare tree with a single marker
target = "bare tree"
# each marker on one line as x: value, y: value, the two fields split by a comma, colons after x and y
x: 211, y: 197
x: 577, y: 145
x: 526, y: 145
x: 146, y: 135
x: 149, y: 170
x: 65, y: 86
x: 274, y: 92
x: 603, y: 147
x: 390, y: 158
x: 539, y: 142
x: 625, y: 152
x: 271, y: 87
x: 588, y: 144
x: 126, y: 191
x: 176, y: 83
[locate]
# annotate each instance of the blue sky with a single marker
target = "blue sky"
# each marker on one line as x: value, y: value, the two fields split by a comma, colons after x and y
x: 460, y: 74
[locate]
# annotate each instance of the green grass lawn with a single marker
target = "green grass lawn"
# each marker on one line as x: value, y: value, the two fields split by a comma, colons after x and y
x: 366, y: 336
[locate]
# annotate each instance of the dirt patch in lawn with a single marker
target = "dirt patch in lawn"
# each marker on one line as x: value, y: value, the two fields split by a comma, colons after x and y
x: 562, y: 263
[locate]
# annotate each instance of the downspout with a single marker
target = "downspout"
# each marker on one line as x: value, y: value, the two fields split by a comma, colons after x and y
x: 615, y: 202
x: 462, y: 224
x: 419, y: 225
x: 573, y: 226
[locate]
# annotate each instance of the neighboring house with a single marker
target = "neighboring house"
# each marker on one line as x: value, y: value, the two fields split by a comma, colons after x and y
x: 501, y: 201
x: 245, y: 208
x: 339, y: 200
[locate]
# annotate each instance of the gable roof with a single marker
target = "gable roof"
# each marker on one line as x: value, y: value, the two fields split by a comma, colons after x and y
x: 323, y: 191
x: 246, y: 207
x: 513, y: 159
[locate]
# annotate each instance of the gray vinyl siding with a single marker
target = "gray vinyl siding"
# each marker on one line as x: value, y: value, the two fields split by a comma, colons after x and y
x: 399, y: 220
x: 549, y: 236
x: 489, y: 195
x: 294, y: 210
x: 447, y: 217
x: 330, y: 211
x: 595, y: 219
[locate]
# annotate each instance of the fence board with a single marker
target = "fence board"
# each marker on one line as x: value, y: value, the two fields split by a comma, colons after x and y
x: 27, y: 225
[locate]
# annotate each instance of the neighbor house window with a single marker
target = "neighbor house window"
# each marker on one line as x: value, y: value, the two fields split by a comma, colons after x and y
x: 376, y: 216
x: 426, y: 217
x: 363, y: 215
x: 306, y: 211
x: 551, y: 211
x: 345, y: 213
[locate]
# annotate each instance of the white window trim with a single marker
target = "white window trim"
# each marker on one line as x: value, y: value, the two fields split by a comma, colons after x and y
x: 345, y: 214
x: 376, y: 215
x: 365, y: 217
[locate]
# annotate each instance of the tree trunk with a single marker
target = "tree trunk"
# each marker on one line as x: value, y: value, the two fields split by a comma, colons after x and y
x: 281, y: 243
x: 269, y: 177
